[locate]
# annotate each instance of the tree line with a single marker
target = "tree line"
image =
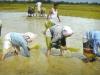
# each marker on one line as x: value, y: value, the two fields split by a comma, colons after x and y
x: 48, y: 1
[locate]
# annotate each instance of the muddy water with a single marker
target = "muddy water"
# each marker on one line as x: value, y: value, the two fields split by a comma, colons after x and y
x: 38, y: 63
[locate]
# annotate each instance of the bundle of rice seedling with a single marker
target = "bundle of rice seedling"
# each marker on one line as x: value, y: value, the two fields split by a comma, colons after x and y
x: 34, y: 46
x: 73, y: 49
x: 90, y: 55
x: 48, y: 24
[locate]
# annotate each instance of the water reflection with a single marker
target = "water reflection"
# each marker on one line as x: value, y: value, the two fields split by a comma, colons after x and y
x: 38, y: 63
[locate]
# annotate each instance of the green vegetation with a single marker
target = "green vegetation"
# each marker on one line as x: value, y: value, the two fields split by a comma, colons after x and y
x: 73, y: 49
x: 79, y: 10
x: 1, y: 44
x: 35, y: 46
x: 90, y: 55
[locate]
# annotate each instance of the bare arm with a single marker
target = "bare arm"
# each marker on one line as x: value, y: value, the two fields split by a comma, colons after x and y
x: 58, y: 18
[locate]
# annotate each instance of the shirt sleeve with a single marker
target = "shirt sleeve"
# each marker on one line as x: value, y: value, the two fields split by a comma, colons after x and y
x: 18, y: 40
x: 25, y: 50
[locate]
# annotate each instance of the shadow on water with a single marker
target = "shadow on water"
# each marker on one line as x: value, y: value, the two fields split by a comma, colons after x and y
x: 38, y: 63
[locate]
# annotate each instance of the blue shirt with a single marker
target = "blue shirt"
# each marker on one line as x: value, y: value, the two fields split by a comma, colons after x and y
x: 18, y: 40
x: 94, y: 36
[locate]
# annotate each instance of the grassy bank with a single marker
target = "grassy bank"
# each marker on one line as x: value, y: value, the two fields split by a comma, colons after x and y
x: 88, y: 11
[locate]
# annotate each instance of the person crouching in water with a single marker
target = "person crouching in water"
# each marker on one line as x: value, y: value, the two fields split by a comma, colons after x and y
x: 31, y: 11
x: 14, y: 41
x: 91, y: 44
x: 56, y: 37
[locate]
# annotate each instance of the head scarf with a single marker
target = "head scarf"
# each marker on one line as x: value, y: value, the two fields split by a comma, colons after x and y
x: 30, y: 36
x: 67, y: 31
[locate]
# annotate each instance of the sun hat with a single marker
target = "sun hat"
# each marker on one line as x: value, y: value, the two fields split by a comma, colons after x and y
x: 31, y: 35
x: 67, y: 31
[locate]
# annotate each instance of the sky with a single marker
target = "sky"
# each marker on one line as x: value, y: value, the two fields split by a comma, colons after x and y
x: 90, y: 1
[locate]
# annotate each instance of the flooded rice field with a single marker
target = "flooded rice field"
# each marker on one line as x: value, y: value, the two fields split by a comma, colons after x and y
x: 38, y: 63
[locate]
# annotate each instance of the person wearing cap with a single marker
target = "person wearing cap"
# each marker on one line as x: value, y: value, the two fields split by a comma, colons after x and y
x: 56, y: 37
x: 91, y: 43
x: 14, y: 41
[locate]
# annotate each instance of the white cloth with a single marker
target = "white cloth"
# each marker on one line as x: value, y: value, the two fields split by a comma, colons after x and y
x: 68, y: 31
x: 53, y: 16
x: 7, y: 44
x: 57, y: 31
x: 31, y: 36
x: 54, y: 13
x: 39, y: 4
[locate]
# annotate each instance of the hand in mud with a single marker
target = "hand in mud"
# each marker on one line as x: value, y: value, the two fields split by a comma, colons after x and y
x: 63, y: 47
x: 15, y: 53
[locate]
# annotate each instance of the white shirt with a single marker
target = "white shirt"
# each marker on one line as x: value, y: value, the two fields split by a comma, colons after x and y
x: 53, y: 16
x: 54, y: 13
x: 57, y: 31
x: 39, y: 5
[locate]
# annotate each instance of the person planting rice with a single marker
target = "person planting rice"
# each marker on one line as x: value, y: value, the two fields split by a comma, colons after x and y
x: 31, y: 11
x: 56, y: 37
x: 14, y: 41
x: 91, y: 45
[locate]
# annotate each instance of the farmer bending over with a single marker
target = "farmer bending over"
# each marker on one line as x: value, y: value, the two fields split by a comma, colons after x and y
x: 16, y: 40
x: 31, y: 11
x: 91, y: 44
x: 56, y: 37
